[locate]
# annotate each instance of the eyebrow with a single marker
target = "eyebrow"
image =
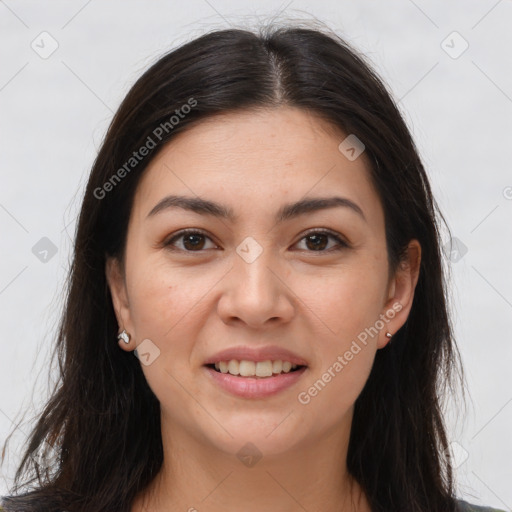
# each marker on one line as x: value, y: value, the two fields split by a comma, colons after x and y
x: 286, y: 212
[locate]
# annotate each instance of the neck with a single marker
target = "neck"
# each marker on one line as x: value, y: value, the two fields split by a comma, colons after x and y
x: 199, y: 477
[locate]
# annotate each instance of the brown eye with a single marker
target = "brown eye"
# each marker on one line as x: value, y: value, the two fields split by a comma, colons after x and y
x: 317, y: 241
x: 191, y: 241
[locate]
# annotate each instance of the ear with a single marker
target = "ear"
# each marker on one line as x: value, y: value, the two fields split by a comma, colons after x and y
x: 401, y: 293
x: 116, y: 282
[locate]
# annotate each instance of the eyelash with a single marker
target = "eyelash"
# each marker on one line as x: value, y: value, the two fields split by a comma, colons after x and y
x: 341, y: 243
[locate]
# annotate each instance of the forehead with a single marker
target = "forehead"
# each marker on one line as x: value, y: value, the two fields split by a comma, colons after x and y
x: 257, y: 157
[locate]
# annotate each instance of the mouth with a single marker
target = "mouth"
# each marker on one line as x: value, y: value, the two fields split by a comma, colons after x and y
x: 255, y: 370
x: 255, y: 373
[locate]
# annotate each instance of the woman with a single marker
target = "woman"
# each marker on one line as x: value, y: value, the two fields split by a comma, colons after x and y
x: 259, y: 231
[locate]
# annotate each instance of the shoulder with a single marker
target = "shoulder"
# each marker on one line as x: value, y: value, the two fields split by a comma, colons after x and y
x: 464, y: 506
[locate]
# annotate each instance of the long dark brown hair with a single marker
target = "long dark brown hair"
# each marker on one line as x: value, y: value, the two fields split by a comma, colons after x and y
x: 96, y: 415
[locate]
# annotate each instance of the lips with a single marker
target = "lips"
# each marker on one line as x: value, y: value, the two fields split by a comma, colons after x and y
x: 256, y: 387
x: 253, y: 387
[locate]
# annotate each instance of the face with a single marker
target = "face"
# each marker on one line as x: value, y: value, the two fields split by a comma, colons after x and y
x: 309, y: 285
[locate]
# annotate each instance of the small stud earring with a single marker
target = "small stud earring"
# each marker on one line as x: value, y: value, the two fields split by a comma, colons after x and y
x: 124, y: 336
x: 389, y: 335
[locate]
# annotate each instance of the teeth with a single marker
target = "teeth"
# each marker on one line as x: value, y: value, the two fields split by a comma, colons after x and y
x: 251, y: 369
x: 247, y: 368
x: 277, y: 366
x: 263, y: 369
x: 234, y: 367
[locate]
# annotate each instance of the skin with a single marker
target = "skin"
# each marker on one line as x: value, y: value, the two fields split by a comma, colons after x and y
x: 313, y: 302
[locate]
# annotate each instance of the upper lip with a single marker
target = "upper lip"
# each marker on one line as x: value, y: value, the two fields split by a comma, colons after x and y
x: 272, y: 353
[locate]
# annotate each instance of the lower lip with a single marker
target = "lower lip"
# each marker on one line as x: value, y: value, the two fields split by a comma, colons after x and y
x: 251, y: 387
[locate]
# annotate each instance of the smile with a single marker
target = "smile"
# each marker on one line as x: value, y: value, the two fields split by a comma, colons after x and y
x: 246, y: 368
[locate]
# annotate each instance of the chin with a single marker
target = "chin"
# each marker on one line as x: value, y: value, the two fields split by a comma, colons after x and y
x: 265, y: 436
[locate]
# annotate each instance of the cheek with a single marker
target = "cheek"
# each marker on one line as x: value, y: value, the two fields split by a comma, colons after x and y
x: 165, y: 305
x: 343, y: 365
x: 343, y: 302
x: 339, y: 375
x: 355, y: 305
x: 331, y: 393
x: 161, y: 299
x: 345, y: 306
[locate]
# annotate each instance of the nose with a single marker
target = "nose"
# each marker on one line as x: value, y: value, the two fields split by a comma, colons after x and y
x: 256, y: 293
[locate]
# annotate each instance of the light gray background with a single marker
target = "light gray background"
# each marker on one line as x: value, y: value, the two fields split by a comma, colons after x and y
x: 54, y: 112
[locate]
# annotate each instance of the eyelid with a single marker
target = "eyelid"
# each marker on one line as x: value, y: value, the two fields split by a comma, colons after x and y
x: 325, y: 231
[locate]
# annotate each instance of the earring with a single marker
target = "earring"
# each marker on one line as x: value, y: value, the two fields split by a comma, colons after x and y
x: 389, y: 335
x: 124, y: 336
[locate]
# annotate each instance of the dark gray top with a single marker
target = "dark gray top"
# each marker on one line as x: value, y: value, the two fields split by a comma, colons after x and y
x: 464, y: 506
